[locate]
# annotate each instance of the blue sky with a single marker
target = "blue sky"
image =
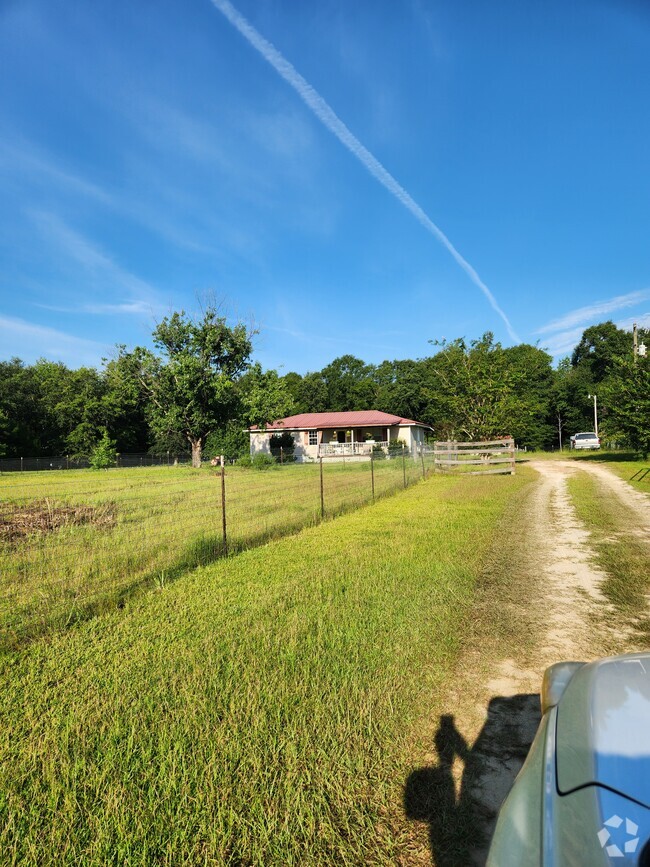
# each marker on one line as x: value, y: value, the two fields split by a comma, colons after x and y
x: 153, y: 158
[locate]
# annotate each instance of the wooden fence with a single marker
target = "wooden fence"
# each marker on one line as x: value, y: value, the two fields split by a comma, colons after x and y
x: 493, y: 456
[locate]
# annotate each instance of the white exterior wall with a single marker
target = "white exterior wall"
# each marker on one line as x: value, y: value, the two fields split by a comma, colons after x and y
x: 412, y: 435
x: 261, y: 444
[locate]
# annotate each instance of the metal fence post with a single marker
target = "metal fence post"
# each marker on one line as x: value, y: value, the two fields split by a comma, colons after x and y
x: 281, y: 455
x: 404, y: 464
x: 372, y: 474
x: 322, y: 492
x: 424, y: 475
x: 223, y: 503
x: 21, y: 465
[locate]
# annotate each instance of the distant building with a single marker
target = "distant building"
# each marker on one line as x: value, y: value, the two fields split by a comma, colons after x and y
x: 344, y: 434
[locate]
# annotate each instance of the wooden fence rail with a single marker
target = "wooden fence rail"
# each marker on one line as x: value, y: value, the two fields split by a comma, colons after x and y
x: 453, y: 456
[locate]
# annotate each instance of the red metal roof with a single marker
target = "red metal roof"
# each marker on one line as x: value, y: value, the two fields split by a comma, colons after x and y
x: 321, y: 420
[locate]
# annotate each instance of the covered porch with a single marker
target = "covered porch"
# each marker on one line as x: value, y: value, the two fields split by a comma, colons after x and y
x: 352, y: 441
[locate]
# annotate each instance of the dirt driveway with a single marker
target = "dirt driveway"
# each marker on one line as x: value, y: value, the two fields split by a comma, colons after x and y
x: 557, y: 612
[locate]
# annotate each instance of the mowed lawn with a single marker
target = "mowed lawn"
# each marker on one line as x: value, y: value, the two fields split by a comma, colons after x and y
x: 76, y: 542
x: 257, y: 711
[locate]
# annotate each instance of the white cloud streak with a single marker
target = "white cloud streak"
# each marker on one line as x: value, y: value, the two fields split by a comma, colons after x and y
x: 563, y: 342
x: 29, y: 342
x: 128, y: 307
x: 97, y: 263
x: 321, y: 338
x: 594, y: 311
x: 335, y: 125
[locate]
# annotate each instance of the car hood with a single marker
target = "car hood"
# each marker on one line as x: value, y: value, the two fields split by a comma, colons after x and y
x: 603, y: 728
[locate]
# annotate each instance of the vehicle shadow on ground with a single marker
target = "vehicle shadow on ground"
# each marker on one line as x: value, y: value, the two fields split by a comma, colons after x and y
x: 461, y: 818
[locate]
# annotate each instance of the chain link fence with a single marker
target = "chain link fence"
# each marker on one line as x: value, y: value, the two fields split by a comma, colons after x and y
x: 76, y: 542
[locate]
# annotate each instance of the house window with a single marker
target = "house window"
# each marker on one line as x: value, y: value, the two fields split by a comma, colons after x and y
x: 313, y: 437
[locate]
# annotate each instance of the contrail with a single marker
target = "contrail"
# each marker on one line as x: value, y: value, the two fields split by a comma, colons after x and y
x: 335, y: 125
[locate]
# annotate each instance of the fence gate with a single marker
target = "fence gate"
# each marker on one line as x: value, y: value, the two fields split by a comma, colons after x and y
x: 493, y: 456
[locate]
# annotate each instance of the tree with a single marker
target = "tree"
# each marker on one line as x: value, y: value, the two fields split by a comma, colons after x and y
x: 475, y: 392
x: 627, y: 394
x: 125, y: 399
x: 401, y: 389
x: 598, y: 347
x: 232, y: 441
x: 350, y: 384
x: 264, y: 397
x: 532, y: 371
x: 20, y: 405
x: 191, y: 389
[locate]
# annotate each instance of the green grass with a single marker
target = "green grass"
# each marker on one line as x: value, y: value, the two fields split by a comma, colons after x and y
x: 258, y: 711
x: 625, y: 465
x: 150, y: 526
x: 621, y: 549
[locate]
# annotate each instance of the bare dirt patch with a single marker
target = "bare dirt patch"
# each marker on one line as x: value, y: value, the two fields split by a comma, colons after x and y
x: 42, y: 517
x: 542, y: 604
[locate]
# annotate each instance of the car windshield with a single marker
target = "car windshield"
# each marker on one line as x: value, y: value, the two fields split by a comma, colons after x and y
x: 586, y: 436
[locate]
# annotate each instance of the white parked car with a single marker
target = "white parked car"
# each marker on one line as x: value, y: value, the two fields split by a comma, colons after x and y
x: 585, y: 441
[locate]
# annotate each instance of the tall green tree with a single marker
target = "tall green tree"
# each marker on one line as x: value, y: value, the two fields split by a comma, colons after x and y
x: 191, y: 387
x: 401, y: 389
x: 598, y: 347
x: 478, y: 393
x: 627, y: 396
x: 264, y: 397
x: 125, y: 400
x: 350, y: 384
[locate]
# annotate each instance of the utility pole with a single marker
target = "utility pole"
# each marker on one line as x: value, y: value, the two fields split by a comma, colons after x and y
x: 637, y: 350
x: 595, y: 413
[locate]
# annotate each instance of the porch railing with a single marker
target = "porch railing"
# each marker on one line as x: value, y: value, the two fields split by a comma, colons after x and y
x: 326, y: 449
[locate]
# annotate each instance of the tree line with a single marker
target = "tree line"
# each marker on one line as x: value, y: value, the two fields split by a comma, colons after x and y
x: 199, y: 389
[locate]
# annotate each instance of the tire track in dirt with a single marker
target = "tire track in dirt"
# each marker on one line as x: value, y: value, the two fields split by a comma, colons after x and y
x: 554, y: 610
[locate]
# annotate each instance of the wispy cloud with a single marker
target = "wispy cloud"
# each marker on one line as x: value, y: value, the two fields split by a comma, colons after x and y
x: 143, y: 296
x: 592, y: 312
x: 304, y: 337
x: 29, y: 342
x: 129, y: 307
x: 564, y: 341
x: 335, y: 125
x: 42, y: 172
x: 24, y: 158
x: 642, y: 320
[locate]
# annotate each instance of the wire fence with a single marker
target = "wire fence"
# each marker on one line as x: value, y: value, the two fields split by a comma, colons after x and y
x: 76, y: 542
x: 76, y: 462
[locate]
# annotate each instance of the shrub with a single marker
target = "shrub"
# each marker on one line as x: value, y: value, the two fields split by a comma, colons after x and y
x: 262, y: 461
x: 395, y: 447
x: 104, y: 455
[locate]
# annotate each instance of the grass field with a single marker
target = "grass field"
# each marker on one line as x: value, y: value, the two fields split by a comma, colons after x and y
x: 257, y: 711
x: 76, y: 542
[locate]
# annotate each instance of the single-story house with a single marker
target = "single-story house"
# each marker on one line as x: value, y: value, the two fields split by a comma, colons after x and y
x: 332, y: 434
